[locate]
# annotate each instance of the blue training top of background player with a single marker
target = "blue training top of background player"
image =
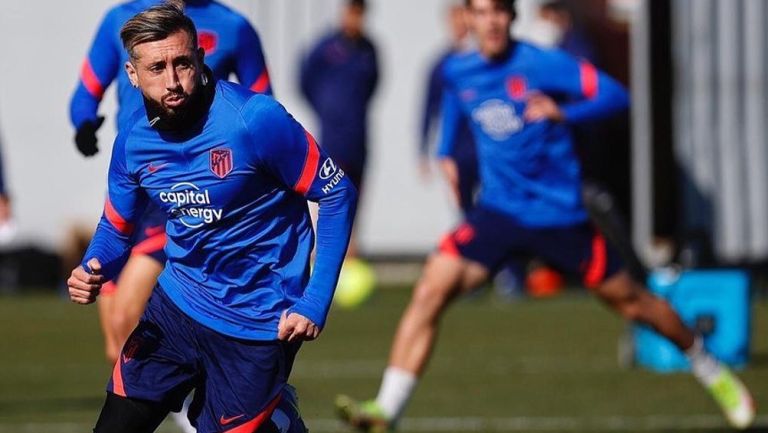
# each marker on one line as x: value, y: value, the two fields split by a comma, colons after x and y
x: 230, y: 43
x: 528, y: 170
x: 239, y: 232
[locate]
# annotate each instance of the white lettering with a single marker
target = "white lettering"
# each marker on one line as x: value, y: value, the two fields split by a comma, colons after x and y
x: 333, y: 182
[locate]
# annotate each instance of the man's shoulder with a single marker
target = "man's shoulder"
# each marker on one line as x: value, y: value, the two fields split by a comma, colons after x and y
x: 457, y: 64
x: 529, y: 52
x: 252, y: 107
x: 223, y: 14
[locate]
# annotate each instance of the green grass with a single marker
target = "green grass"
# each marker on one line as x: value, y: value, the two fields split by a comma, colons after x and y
x: 535, y: 365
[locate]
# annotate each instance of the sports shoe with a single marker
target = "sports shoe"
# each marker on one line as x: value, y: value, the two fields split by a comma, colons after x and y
x: 365, y: 416
x: 733, y: 398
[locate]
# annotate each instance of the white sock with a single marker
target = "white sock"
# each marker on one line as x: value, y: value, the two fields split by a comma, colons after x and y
x: 703, y: 365
x: 180, y: 418
x: 396, y: 389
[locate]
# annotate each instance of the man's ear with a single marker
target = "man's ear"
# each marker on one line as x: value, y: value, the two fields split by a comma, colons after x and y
x: 132, y: 75
x: 200, y: 55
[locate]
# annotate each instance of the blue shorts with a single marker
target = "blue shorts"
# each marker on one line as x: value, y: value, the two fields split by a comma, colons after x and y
x: 236, y: 382
x: 492, y: 239
x: 149, y: 237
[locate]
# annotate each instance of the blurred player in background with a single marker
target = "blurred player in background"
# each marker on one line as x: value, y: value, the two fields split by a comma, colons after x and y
x: 521, y: 100
x: 232, y: 46
x: 338, y: 78
x: 464, y: 180
x: 233, y: 171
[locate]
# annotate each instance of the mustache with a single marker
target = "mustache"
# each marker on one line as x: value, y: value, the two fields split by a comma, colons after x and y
x: 175, y: 94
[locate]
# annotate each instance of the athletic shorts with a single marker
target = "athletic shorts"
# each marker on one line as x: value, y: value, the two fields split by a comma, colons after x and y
x: 492, y: 239
x: 237, y: 382
x: 150, y: 235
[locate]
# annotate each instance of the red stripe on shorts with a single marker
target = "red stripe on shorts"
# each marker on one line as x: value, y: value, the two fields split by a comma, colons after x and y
x: 254, y: 424
x: 117, y: 378
x: 598, y: 263
x: 150, y: 245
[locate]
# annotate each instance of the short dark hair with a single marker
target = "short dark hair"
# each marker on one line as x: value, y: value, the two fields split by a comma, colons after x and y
x: 506, y: 4
x: 357, y: 3
x: 155, y: 24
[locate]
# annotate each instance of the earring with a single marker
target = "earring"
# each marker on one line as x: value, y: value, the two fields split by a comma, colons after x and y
x: 204, y: 79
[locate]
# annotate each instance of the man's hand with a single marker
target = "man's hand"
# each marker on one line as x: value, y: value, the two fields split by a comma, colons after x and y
x: 85, y: 139
x: 451, y: 173
x: 84, y: 286
x: 542, y: 107
x: 294, y: 326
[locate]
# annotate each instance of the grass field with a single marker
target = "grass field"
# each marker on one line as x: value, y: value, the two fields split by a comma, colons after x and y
x: 529, y: 366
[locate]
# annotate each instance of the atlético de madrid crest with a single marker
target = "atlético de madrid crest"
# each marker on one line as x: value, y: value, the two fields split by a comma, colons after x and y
x: 221, y: 162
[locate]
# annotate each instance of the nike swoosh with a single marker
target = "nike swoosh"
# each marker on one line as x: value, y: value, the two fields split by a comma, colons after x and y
x: 154, y: 168
x: 225, y: 421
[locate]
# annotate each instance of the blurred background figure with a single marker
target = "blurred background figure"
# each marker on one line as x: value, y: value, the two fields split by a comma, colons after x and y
x: 555, y: 26
x: 338, y: 78
x: 231, y: 46
x: 462, y: 177
x: 464, y: 181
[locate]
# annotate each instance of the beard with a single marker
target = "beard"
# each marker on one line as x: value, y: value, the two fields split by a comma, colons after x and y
x: 178, y: 117
x: 170, y: 115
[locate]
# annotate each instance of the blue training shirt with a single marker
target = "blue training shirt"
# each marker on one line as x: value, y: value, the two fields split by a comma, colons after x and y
x: 338, y: 78
x: 239, y: 233
x: 230, y: 43
x: 528, y: 170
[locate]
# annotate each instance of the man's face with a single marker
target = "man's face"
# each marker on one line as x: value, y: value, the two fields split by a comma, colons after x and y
x: 490, y: 21
x: 353, y: 20
x: 167, y: 71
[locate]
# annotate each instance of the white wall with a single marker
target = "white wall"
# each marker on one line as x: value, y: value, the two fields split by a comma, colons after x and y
x: 43, y: 44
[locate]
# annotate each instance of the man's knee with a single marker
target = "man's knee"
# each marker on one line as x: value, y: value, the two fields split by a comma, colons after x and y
x: 127, y: 415
x: 625, y: 296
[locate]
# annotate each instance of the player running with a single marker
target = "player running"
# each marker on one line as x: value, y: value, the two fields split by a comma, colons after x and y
x: 231, y: 46
x: 232, y: 170
x: 530, y: 204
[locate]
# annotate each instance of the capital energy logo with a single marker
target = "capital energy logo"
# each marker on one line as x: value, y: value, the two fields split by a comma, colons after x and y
x: 192, y: 206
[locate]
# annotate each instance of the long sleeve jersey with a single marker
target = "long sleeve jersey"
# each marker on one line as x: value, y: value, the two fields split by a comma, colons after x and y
x: 338, y: 78
x: 234, y: 188
x: 528, y: 170
x: 231, y: 46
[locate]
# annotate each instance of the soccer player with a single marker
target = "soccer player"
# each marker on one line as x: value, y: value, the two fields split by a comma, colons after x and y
x: 232, y: 46
x: 338, y: 79
x: 232, y: 170
x: 464, y: 180
x: 529, y: 203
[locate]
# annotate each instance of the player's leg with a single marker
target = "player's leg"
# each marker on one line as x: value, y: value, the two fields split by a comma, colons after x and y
x: 137, y: 279
x: 127, y: 415
x: 634, y: 302
x: 443, y: 278
x: 106, y: 303
x: 156, y: 368
x: 247, y: 404
x: 582, y: 250
x: 464, y: 262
